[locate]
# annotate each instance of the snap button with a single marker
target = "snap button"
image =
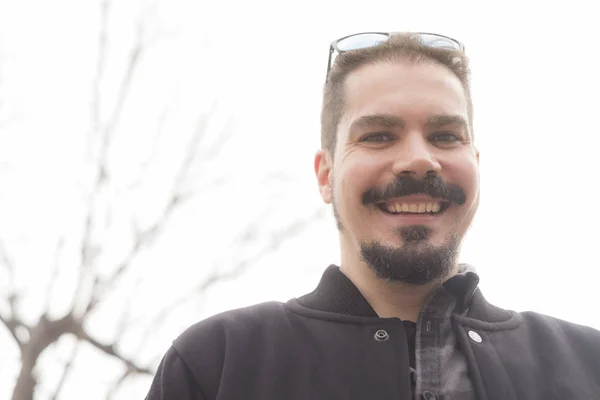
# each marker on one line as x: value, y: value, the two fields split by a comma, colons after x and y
x: 381, y: 335
x: 475, y: 337
x: 427, y: 395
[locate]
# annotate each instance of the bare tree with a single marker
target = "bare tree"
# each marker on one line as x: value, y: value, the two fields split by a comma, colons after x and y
x: 94, y: 278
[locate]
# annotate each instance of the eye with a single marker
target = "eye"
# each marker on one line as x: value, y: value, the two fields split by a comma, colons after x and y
x: 379, y: 137
x: 445, y: 137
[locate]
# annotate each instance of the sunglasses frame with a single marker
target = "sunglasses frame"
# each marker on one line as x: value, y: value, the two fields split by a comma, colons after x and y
x: 333, y: 47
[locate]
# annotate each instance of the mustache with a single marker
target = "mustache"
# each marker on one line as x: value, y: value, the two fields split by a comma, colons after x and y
x: 433, y: 186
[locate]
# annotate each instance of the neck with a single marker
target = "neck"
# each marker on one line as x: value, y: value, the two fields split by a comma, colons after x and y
x: 389, y: 299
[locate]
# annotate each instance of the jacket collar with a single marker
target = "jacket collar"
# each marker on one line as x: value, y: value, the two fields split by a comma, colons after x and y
x: 335, y: 293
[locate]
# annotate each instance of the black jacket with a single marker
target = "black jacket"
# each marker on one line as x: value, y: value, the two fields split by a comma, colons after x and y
x: 318, y: 347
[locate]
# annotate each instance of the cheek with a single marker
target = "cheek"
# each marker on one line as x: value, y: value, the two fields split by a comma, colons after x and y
x: 365, y: 169
x: 474, y: 184
x: 351, y: 185
x: 470, y: 184
x: 466, y: 174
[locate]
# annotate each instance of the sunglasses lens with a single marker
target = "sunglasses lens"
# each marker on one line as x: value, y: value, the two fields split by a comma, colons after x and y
x: 439, y: 41
x: 361, y: 41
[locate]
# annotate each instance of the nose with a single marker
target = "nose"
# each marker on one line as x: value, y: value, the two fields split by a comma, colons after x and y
x: 416, y: 157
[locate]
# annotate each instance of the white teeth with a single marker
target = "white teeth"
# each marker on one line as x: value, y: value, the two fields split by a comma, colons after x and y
x: 414, y: 208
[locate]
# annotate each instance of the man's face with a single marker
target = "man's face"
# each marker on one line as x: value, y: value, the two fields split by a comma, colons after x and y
x: 404, y: 181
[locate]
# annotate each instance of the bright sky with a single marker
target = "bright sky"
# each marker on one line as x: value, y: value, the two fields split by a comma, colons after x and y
x: 535, y: 86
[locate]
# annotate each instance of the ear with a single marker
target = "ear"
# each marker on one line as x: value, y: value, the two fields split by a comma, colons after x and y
x: 323, y: 168
x: 477, y: 155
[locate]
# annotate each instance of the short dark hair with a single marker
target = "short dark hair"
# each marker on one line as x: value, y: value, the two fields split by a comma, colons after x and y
x: 400, y: 47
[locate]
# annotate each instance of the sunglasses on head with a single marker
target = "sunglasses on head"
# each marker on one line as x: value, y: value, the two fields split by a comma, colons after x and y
x: 369, y: 39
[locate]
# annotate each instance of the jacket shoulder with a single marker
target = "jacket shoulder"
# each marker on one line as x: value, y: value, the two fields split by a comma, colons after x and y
x: 220, y: 327
x: 233, y: 336
x: 560, y: 327
x: 568, y: 344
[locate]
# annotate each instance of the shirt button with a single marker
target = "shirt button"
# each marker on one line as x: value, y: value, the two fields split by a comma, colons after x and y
x: 475, y: 337
x: 427, y: 395
x: 381, y: 335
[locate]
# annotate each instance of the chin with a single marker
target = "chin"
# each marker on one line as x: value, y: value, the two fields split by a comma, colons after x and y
x: 415, y: 259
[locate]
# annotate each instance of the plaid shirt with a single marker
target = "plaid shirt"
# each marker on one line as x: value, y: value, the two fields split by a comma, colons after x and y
x: 441, y: 368
x: 440, y: 371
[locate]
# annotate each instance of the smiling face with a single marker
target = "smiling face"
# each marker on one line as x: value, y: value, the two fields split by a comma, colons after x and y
x: 404, y: 181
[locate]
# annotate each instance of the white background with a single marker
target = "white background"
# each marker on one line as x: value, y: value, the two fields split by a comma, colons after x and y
x: 535, y: 86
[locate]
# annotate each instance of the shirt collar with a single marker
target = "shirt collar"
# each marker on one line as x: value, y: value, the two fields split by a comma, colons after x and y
x: 462, y: 286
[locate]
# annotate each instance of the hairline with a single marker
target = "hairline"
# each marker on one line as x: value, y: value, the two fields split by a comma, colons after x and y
x: 394, y: 59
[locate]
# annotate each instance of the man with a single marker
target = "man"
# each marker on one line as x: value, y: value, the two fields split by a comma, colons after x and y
x: 400, y: 318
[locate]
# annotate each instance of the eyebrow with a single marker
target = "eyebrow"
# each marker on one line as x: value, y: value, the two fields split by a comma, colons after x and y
x: 439, y: 121
x: 381, y: 120
x: 392, y: 121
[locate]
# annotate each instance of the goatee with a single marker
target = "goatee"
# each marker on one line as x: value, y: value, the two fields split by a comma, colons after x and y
x: 414, y: 263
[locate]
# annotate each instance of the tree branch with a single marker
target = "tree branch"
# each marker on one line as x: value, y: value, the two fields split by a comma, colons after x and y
x: 88, y: 251
x: 217, y: 276
x: 66, y: 370
x: 113, y: 391
x: 7, y: 262
x: 123, y: 94
x: 197, y: 137
x: 44, y: 333
x: 12, y: 325
x: 111, y: 350
x: 176, y: 199
x: 10, y: 269
x: 215, y: 149
x: 100, y: 62
x: 55, y: 272
x: 146, y: 163
x: 13, y: 322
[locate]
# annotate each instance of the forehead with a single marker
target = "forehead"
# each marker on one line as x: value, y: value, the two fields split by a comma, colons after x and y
x: 413, y: 92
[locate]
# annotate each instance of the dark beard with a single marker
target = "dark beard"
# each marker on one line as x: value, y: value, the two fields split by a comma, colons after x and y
x: 416, y: 262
